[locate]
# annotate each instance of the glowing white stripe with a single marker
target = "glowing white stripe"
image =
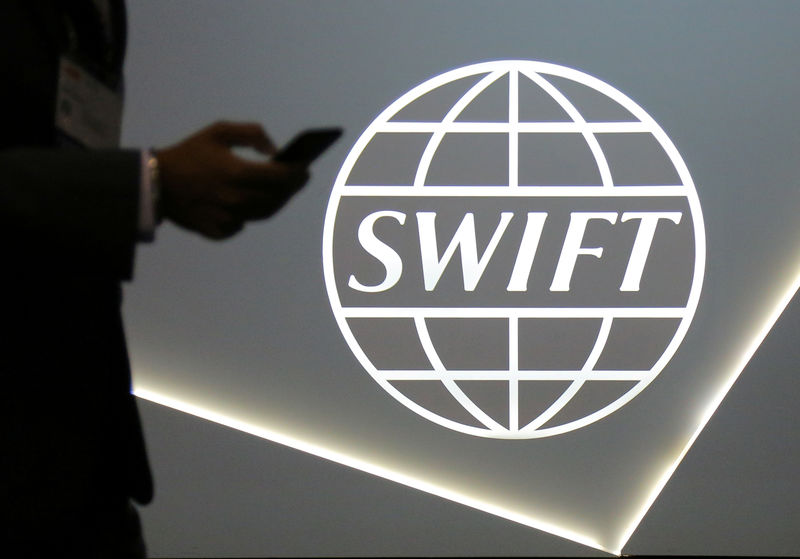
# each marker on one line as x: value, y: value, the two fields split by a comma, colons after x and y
x: 514, y: 374
x: 452, y: 387
x: 452, y: 114
x: 518, y: 312
x: 524, y: 190
x: 513, y: 128
x: 366, y: 466
x: 572, y: 111
x: 712, y: 406
x: 569, y: 393
x: 522, y: 127
x: 410, y: 481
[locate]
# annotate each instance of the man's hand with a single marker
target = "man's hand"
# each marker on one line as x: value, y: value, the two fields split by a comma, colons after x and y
x: 205, y: 187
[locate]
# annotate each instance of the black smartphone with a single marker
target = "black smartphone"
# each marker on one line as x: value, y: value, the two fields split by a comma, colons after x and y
x: 308, y: 145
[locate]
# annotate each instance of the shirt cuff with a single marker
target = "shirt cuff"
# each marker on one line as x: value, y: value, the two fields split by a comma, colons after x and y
x: 148, y: 196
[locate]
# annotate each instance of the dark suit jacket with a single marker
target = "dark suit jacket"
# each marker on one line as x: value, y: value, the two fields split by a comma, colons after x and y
x: 71, y: 437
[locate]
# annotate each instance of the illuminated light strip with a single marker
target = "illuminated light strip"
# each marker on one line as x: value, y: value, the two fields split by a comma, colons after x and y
x: 368, y: 467
x: 393, y: 127
x: 490, y: 374
x: 712, y: 406
x: 519, y: 312
x: 526, y: 191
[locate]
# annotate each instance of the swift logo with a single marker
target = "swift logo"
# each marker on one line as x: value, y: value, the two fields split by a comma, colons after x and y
x: 580, y: 241
x: 472, y: 267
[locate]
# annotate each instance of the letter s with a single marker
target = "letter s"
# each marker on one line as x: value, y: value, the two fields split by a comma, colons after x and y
x: 381, y: 251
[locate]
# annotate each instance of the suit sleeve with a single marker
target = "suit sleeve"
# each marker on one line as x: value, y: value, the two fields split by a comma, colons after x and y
x: 71, y: 209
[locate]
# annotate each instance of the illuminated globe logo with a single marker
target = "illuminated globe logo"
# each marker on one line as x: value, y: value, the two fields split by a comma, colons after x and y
x: 514, y: 249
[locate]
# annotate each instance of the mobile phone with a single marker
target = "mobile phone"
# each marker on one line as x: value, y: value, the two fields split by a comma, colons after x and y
x: 308, y: 145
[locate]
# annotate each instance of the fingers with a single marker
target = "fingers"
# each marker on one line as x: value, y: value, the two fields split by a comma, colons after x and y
x: 259, y: 202
x: 206, y: 188
x: 222, y: 228
x: 249, y: 173
x: 242, y: 134
x: 252, y: 174
x: 234, y: 207
x: 213, y: 222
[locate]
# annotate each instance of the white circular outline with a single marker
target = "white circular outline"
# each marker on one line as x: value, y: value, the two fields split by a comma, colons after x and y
x: 534, y: 67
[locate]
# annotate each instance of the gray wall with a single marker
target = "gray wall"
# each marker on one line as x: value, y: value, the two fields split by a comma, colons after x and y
x: 245, y: 326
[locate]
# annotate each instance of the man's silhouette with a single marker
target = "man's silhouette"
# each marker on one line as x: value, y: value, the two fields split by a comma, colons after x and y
x: 73, y: 457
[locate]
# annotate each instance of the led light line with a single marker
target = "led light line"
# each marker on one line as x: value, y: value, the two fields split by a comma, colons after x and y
x: 368, y: 467
x: 712, y: 406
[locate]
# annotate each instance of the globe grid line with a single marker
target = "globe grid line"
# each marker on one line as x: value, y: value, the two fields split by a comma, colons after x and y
x: 518, y: 374
x: 536, y: 72
x: 452, y: 114
x: 513, y: 133
x: 522, y: 191
x: 513, y: 374
x: 513, y: 379
x: 516, y: 312
x: 513, y: 126
x: 527, y: 127
x: 575, y: 115
x: 452, y: 387
x: 572, y: 391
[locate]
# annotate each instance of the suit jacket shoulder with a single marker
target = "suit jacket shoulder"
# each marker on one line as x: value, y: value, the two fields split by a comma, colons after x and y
x: 72, y: 209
